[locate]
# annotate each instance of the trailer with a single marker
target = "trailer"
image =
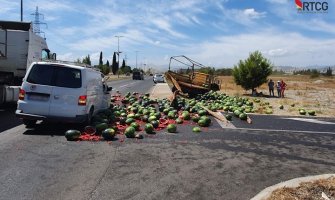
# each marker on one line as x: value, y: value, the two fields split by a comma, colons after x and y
x: 191, y: 82
x: 19, y: 47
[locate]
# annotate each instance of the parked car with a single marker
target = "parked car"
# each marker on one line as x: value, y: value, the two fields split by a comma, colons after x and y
x: 158, y: 78
x: 60, y: 92
x: 138, y: 75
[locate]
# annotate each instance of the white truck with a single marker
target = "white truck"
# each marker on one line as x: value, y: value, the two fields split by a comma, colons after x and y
x: 19, y: 47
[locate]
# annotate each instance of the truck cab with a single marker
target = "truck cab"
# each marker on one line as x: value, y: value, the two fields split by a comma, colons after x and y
x: 19, y: 48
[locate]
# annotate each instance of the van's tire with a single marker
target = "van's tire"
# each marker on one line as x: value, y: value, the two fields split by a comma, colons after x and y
x: 29, y: 123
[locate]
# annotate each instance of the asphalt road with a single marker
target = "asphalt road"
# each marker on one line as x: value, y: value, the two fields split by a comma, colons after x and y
x: 214, y: 164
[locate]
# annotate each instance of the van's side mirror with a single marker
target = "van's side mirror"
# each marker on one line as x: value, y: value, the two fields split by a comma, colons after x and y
x: 109, y: 89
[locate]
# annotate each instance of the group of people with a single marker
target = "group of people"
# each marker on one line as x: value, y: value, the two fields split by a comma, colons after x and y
x: 281, y: 86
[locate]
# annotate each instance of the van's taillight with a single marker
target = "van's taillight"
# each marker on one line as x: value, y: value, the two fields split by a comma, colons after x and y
x: 22, y: 94
x: 82, y: 100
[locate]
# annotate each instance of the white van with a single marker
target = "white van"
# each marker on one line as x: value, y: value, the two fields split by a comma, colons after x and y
x: 62, y: 92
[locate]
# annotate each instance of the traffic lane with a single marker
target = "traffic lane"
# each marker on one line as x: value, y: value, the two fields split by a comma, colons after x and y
x: 7, y: 117
x: 41, y: 164
x: 129, y: 85
x: 295, y: 123
x: 213, y: 164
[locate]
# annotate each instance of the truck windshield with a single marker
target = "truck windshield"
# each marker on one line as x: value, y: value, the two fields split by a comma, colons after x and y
x: 53, y: 75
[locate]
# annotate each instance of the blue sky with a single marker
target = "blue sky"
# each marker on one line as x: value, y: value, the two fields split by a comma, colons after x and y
x: 214, y: 32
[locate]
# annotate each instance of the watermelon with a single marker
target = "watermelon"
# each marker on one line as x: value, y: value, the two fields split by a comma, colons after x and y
x: 206, y: 119
x: 155, y: 123
x: 129, y: 120
x: 186, y: 116
x: 72, y: 135
x: 202, y: 123
x: 131, y: 115
x: 195, y: 118
x: 149, y: 128
x: 172, y: 128
x: 229, y: 117
x: 100, y: 127
x: 130, y: 132
x: 179, y: 121
x: 302, y: 112
x: 243, y: 116
x: 202, y: 112
x: 108, y: 134
x: 135, y: 125
x: 196, y: 129
x: 152, y: 118
x: 311, y: 112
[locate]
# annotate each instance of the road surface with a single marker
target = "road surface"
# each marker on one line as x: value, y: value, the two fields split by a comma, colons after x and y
x: 217, y: 163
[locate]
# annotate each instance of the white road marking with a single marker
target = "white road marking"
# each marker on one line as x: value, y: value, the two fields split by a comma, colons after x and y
x: 276, y: 130
x: 310, y: 120
x: 127, y: 85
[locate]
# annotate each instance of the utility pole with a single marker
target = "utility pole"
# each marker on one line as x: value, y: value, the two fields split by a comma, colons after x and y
x: 118, y: 54
x: 136, y: 58
x: 21, y: 10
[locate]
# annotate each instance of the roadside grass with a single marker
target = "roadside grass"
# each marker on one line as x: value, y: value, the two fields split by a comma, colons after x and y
x: 304, y: 92
x: 307, y: 190
x: 112, y: 77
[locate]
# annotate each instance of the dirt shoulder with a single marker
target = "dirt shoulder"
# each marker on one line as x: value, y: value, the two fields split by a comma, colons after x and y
x: 302, y: 92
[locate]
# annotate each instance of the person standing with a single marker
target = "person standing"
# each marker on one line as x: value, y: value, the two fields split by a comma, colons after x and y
x: 278, y: 88
x: 271, y: 85
x: 282, y: 88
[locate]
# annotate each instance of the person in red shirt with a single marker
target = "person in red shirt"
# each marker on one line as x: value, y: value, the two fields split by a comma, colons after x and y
x: 282, y: 88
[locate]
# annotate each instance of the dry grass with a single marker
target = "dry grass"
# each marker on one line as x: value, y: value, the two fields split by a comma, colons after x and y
x: 112, y: 77
x: 311, y: 94
x: 307, y: 191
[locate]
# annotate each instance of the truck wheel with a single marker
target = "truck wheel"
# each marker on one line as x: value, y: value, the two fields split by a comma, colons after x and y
x: 29, y: 123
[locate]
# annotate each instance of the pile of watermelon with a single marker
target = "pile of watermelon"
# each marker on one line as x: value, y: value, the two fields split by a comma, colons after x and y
x: 136, y: 115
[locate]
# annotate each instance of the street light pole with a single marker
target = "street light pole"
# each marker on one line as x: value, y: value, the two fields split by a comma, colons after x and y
x: 118, y: 54
x: 136, y: 58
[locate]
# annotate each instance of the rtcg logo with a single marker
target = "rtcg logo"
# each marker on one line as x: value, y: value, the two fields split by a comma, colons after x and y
x: 311, y: 6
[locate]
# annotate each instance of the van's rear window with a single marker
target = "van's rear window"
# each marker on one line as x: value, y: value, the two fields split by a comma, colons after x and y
x: 55, y: 75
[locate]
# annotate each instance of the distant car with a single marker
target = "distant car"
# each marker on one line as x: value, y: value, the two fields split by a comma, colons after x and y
x: 150, y: 74
x: 158, y: 78
x: 138, y: 76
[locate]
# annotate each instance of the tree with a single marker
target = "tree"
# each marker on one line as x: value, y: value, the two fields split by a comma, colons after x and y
x: 87, y: 60
x: 114, y: 64
x: 207, y: 70
x: 315, y: 73
x: 123, y: 63
x: 329, y: 72
x: 78, y: 60
x: 253, y: 71
x: 104, y: 68
x: 100, y: 59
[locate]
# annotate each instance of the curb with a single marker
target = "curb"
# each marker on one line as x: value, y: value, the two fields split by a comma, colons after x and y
x: 264, y: 194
